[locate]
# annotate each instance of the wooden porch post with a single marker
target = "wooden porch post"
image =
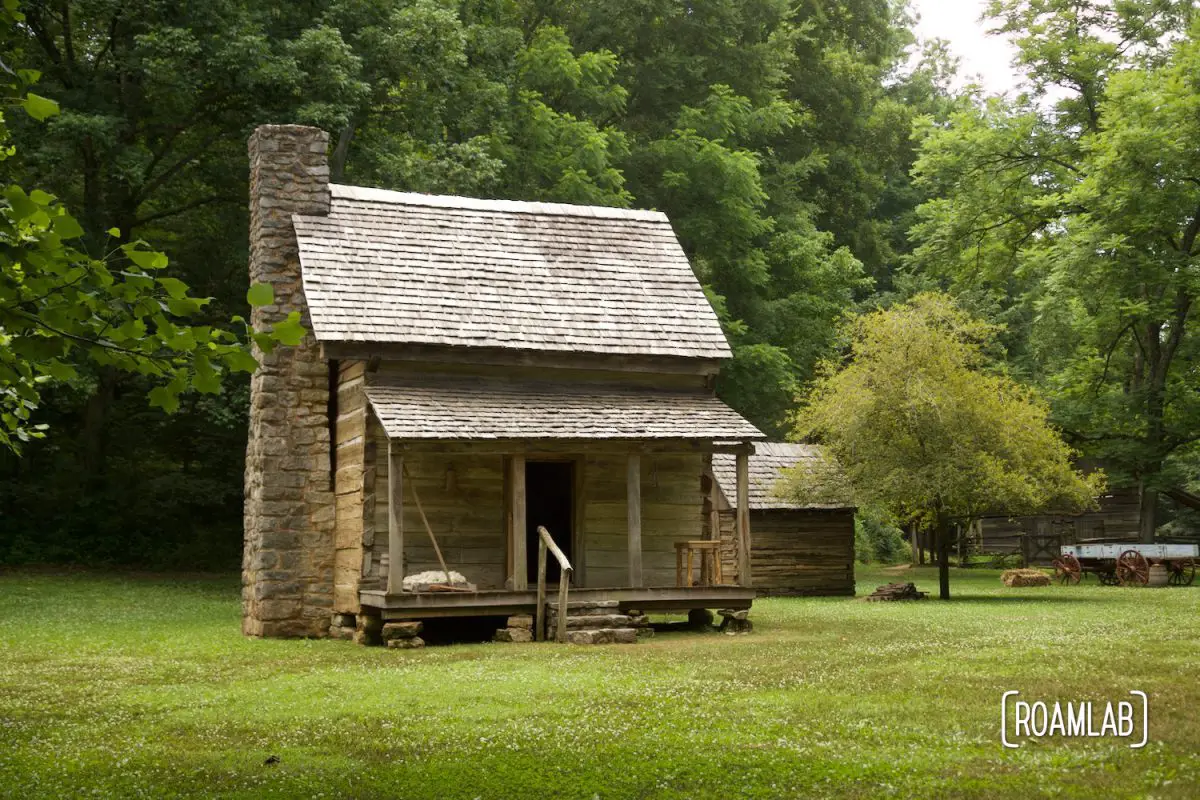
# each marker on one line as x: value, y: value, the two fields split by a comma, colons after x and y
x: 516, y: 483
x: 633, y: 505
x: 743, y: 518
x: 395, y: 576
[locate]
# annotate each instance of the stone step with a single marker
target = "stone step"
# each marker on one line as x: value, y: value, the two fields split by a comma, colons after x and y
x: 609, y: 619
x: 603, y: 636
x: 594, y: 621
x: 574, y: 606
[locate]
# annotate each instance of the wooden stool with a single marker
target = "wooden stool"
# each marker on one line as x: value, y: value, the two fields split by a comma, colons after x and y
x: 710, y: 562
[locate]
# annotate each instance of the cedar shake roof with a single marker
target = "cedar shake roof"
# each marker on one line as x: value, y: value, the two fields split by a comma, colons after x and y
x: 766, y: 469
x: 396, y: 267
x: 480, y: 410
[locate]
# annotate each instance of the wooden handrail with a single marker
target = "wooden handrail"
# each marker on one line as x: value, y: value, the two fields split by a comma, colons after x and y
x: 546, y: 542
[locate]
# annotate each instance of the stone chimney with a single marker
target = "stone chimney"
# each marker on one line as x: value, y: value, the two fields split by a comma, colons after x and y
x: 287, y: 560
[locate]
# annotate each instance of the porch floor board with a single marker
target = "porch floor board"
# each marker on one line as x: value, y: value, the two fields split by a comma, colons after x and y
x: 500, y: 602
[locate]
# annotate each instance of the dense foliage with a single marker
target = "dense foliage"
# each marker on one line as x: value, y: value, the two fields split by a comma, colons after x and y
x: 773, y: 133
x: 1071, y: 214
x: 776, y: 134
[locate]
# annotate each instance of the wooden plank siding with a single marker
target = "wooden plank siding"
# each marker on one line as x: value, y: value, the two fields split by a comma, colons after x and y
x: 470, y: 521
x: 467, y: 517
x: 794, y: 551
x: 1116, y: 519
x: 355, y: 461
x: 672, y: 509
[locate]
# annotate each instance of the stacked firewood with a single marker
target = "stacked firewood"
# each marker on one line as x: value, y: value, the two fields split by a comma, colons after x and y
x: 896, y: 591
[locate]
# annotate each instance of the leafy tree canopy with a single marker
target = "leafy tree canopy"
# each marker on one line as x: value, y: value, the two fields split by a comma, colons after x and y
x: 924, y: 427
x: 60, y: 306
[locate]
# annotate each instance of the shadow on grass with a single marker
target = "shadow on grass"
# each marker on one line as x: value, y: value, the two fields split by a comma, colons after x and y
x: 999, y: 598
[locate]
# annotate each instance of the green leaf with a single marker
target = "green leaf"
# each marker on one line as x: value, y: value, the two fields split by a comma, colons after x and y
x: 289, y: 332
x: 261, y: 294
x: 114, y: 232
x: 207, y: 379
x: 38, y: 107
x: 66, y: 226
x: 146, y: 259
x: 60, y: 371
x: 174, y: 287
x: 240, y: 361
x: 166, y: 399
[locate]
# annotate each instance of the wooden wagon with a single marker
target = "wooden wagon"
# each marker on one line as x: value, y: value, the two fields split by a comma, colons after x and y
x: 1126, y: 564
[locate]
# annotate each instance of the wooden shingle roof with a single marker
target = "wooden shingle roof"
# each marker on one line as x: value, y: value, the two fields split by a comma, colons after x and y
x: 765, y: 471
x: 394, y: 267
x: 449, y: 409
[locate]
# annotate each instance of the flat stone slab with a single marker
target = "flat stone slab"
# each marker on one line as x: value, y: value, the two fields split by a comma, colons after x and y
x: 578, y: 605
x: 603, y: 636
x: 520, y: 621
x: 406, y: 644
x: 341, y: 632
x: 517, y: 635
x: 598, y: 621
x: 402, y: 630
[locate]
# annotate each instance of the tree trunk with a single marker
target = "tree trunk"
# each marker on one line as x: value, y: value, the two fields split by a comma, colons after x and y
x: 942, y: 538
x: 914, y: 536
x: 341, y: 151
x: 1147, y: 511
x: 920, y: 534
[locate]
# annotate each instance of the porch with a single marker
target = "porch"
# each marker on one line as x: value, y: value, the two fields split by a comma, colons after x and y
x: 500, y: 602
x: 617, y: 476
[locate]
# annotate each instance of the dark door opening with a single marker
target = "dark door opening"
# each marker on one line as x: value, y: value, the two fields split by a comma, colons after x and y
x: 549, y: 502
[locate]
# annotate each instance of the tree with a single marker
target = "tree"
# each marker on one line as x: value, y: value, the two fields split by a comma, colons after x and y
x: 1072, y: 212
x: 60, y: 306
x: 925, y: 427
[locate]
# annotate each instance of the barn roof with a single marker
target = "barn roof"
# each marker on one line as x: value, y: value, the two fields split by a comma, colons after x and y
x: 766, y: 468
x: 396, y: 267
x: 478, y: 410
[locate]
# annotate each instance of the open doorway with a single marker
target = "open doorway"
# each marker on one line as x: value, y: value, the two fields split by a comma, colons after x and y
x: 549, y: 502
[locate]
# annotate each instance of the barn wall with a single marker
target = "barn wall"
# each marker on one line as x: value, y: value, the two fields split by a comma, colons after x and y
x: 672, y: 508
x: 794, y: 552
x: 1116, y: 519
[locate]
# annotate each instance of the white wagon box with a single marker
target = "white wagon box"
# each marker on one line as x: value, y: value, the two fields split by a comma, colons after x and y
x: 1156, y: 551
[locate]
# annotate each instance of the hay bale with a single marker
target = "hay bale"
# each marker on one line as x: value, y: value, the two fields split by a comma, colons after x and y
x: 1025, y: 577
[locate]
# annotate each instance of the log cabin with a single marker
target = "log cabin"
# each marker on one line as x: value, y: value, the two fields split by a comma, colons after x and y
x: 803, y: 549
x: 483, y: 382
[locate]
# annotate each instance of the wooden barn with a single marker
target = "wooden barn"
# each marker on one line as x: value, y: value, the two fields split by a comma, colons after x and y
x: 1036, y: 539
x: 795, y: 549
x: 477, y: 372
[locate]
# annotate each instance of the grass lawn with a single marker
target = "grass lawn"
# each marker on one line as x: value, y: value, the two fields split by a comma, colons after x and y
x: 139, y: 686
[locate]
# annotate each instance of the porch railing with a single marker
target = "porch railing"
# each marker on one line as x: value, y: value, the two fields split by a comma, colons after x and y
x: 546, y: 542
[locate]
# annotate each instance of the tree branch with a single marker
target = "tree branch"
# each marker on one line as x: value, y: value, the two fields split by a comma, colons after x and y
x: 182, y: 209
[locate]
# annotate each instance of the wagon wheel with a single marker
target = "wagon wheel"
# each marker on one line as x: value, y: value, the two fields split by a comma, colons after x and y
x: 1181, y: 572
x: 1067, y: 569
x: 1133, y: 569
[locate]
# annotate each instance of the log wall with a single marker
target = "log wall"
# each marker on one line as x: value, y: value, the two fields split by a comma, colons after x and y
x: 354, y: 458
x: 1117, y: 519
x: 794, y: 552
x: 672, y: 510
x: 465, y: 511
x: 469, y: 520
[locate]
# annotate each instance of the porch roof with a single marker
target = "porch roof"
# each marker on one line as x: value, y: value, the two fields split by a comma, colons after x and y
x: 491, y: 410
